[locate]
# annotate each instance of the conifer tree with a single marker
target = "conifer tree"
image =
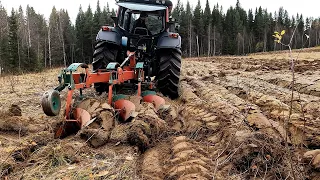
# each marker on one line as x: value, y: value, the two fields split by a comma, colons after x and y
x: 198, y: 27
x: 88, y: 35
x: 207, y: 28
x: 97, y: 18
x: 13, y: 42
x: 3, y: 40
x: 79, y: 30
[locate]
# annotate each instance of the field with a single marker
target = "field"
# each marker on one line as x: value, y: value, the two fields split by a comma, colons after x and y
x: 237, y: 118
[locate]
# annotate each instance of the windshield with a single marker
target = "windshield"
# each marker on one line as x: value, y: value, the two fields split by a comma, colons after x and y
x: 153, y: 22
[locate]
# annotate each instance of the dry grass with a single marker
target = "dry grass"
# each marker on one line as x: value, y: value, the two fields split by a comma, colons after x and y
x: 26, y: 90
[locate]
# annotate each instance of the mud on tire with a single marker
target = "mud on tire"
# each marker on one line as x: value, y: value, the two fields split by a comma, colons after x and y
x: 169, y: 72
x: 104, y: 53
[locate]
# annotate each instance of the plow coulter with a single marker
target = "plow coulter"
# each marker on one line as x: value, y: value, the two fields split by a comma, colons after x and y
x: 77, y: 114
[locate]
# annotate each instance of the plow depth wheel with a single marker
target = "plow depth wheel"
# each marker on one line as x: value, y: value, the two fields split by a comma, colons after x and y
x: 51, y: 103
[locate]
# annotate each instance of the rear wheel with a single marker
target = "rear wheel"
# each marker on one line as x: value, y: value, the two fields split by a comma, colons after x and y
x: 104, y: 53
x: 169, y: 73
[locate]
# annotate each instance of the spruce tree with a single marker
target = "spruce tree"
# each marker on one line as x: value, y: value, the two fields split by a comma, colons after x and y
x: 97, y: 18
x: 217, y: 26
x: 107, y: 15
x: 79, y: 30
x: 183, y: 31
x: 198, y: 27
x: 56, y: 51
x: 13, y: 42
x: 176, y: 13
x: 207, y: 28
x: 301, y: 32
x: 3, y: 40
x: 189, y: 25
x: 88, y: 35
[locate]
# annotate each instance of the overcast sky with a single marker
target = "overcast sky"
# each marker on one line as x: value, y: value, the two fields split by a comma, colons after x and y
x: 308, y: 8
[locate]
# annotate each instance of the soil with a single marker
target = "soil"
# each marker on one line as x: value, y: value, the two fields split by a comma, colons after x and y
x: 237, y: 118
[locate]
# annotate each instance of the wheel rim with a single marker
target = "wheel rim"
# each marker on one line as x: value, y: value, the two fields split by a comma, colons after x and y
x: 55, y: 104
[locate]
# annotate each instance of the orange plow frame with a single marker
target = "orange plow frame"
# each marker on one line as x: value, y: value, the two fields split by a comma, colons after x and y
x: 116, y: 76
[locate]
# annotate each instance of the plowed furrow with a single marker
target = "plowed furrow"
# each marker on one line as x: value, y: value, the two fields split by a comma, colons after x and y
x: 250, y: 113
x: 151, y: 165
x: 213, y: 102
x: 243, y: 132
x: 267, y: 97
x: 310, y: 105
x: 280, y: 93
x: 188, y: 160
x: 199, y: 118
x: 304, y: 84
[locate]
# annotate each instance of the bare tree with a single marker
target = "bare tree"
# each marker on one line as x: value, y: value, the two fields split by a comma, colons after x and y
x: 29, y: 36
x: 45, y: 51
x: 49, y: 41
x: 209, y: 39
x: 60, y: 34
x: 190, y: 38
x: 214, y: 40
x: 19, y: 55
x: 198, y: 48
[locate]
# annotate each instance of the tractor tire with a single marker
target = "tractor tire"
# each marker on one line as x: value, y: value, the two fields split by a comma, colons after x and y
x: 104, y: 53
x: 169, y: 72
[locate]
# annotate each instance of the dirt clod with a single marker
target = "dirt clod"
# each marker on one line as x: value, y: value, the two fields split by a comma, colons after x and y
x: 6, y: 169
x: 15, y: 110
x: 15, y: 124
x: 95, y: 137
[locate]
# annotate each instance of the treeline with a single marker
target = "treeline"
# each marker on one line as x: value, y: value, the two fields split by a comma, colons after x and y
x: 209, y: 32
x: 29, y: 42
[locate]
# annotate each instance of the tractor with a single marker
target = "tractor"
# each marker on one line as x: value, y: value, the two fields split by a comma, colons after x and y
x: 154, y: 45
x: 137, y: 54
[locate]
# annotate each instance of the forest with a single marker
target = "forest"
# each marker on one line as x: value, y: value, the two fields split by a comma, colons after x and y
x: 29, y: 42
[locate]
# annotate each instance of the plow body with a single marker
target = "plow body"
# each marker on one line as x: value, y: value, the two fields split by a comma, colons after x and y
x: 71, y: 79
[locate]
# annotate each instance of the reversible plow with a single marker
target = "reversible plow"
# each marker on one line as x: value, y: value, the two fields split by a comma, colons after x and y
x: 115, y: 74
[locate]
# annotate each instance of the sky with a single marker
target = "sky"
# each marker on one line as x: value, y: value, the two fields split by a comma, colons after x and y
x: 309, y: 8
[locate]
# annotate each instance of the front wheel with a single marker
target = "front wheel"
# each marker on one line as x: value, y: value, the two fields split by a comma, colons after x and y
x: 169, y: 72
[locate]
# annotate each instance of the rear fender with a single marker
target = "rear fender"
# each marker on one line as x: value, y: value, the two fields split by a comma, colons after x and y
x: 167, y: 42
x: 112, y: 36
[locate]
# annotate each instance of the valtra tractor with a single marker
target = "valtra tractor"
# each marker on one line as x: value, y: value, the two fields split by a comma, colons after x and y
x: 138, y: 58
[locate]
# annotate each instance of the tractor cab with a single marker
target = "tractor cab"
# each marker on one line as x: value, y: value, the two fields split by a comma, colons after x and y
x: 141, y: 23
x: 142, y: 28
x: 142, y: 19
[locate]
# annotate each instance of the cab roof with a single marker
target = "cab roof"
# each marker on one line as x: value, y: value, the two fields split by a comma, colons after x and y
x: 142, y: 7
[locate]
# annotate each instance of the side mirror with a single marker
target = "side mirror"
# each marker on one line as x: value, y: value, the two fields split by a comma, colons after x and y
x: 172, y: 20
x: 177, y: 27
x: 115, y: 19
x: 173, y: 25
